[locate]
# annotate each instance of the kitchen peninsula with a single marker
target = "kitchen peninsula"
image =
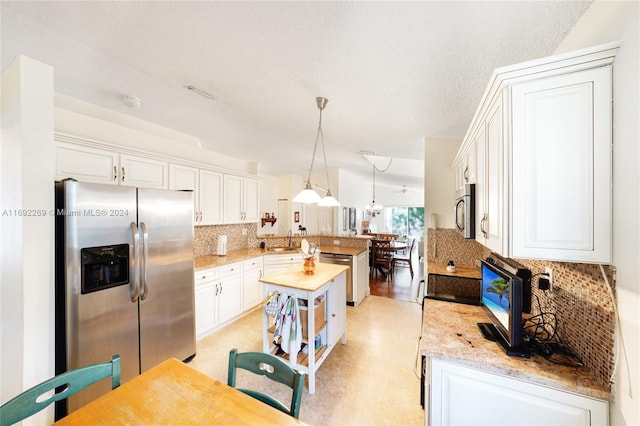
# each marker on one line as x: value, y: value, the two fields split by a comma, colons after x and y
x: 463, y: 369
x: 324, y: 295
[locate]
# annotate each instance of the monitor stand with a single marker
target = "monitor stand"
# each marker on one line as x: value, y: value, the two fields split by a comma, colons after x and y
x: 489, y: 332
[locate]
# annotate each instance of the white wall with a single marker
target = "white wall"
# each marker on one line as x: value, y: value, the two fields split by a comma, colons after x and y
x: 269, y: 203
x: 607, y: 21
x: 355, y: 192
x: 26, y: 248
x: 86, y: 120
x: 439, y: 181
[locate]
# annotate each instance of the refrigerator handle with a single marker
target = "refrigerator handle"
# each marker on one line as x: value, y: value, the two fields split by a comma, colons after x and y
x: 144, y: 287
x: 134, y: 285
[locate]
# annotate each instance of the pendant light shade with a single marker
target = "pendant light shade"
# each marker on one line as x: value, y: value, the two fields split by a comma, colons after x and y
x: 308, y: 195
x: 328, y: 201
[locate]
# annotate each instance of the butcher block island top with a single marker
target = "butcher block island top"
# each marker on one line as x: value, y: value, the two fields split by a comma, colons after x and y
x: 450, y: 333
x: 294, y: 277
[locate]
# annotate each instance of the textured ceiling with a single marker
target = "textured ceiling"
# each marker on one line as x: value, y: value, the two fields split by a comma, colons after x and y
x: 394, y: 72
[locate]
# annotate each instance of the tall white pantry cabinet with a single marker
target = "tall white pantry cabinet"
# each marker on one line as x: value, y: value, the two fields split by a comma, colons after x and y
x: 542, y: 139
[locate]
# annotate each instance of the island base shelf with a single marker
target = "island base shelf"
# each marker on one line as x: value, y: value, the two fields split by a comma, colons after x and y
x: 303, y: 359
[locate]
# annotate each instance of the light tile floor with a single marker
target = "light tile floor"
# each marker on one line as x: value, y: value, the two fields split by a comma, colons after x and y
x: 372, y: 380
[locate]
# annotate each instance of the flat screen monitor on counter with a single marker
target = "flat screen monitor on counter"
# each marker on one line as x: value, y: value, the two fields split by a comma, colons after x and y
x: 503, y: 300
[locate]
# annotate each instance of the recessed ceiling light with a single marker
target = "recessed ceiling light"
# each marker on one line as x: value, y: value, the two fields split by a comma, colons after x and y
x: 131, y: 101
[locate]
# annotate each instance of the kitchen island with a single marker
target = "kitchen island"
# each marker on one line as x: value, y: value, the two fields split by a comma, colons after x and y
x: 325, y: 313
x: 463, y: 369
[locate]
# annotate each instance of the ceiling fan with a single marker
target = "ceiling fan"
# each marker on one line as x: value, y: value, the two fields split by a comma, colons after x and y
x: 403, y: 190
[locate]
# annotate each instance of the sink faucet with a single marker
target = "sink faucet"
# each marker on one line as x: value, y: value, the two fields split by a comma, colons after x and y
x: 289, y: 234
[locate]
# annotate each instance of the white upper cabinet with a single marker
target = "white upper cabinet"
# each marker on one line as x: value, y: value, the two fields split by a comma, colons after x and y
x: 143, y: 172
x: 210, y: 197
x: 562, y: 167
x: 542, y: 138
x: 218, y: 198
x: 185, y: 178
x: 233, y: 212
x: 465, y: 167
x: 251, y: 199
x: 490, y: 200
x: 240, y: 199
x: 88, y: 164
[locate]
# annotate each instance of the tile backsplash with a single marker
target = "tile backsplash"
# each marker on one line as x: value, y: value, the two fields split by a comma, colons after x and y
x: 580, y: 298
x: 206, y: 237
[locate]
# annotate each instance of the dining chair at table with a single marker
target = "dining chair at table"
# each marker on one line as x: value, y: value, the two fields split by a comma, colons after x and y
x: 408, y: 258
x: 381, y: 256
x: 275, y: 369
x: 33, y: 400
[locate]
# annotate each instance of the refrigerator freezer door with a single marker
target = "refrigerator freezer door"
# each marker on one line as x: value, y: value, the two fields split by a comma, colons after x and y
x: 167, y: 319
x: 101, y: 323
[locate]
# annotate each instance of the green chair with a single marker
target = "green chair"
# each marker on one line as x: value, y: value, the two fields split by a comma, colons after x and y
x: 33, y: 400
x: 275, y: 369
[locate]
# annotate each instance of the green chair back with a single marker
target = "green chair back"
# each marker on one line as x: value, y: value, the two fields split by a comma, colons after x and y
x: 274, y: 368
x: 33, y: 400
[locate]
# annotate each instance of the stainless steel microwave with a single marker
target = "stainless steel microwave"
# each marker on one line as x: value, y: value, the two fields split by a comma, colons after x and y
x: 465, y: 210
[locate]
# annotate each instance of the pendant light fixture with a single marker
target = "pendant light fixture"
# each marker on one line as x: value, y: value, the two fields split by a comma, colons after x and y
x: 374, y: 209
x: 308, y: 195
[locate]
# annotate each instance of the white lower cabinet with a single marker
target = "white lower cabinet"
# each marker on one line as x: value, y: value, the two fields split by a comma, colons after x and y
x: 206, y: 287
x: 224, y: 293
x: 361, y: 277
x: 251, y: 285
x: 460, y: 395
x: 230, y: 292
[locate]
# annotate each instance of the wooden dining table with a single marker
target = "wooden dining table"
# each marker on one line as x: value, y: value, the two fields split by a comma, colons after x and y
x: 173, y: 393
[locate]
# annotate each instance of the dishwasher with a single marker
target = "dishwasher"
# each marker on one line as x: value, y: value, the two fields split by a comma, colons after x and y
x: 346, y: 260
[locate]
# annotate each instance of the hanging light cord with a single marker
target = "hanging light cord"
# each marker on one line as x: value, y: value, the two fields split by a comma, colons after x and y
x: 315, y: 146
x: 374, y: 185
x: 386, y: 168
x: 324, y: 155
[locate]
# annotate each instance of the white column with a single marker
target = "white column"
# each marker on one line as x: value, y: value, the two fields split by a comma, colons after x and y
x: 27, y: 228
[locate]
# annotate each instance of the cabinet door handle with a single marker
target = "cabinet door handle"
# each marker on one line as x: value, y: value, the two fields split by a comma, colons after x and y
x: 123, y: 174
x: 115, y: 173
x: 483, y: 223
x: 465, y: 174
x: 220, y: 288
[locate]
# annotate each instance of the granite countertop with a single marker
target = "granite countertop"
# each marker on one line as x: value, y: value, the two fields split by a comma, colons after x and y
x: 213, y: 260
x: 450, y: 333
x: 294, y: 276
x: 460, y: 271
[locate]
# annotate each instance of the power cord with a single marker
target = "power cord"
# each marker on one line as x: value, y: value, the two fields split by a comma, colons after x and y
x: 541, y: 335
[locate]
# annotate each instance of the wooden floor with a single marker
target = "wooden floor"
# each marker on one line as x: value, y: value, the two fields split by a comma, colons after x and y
x: 400, y: 285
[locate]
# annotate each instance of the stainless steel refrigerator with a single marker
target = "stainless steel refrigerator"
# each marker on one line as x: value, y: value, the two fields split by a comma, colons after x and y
x: 124, y: 279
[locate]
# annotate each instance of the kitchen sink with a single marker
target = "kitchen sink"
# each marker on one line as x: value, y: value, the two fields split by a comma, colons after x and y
x: 283, y: 249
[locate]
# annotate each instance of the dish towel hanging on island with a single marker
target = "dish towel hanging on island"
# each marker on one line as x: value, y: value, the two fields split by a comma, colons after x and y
x: 288, y: 325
